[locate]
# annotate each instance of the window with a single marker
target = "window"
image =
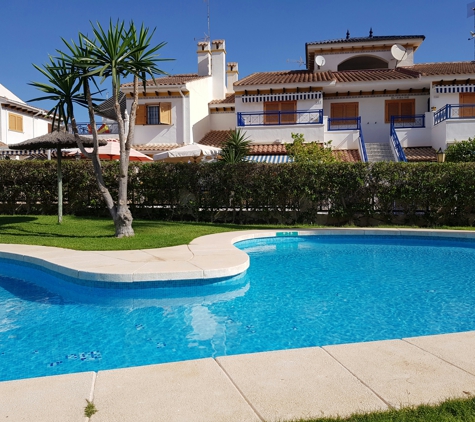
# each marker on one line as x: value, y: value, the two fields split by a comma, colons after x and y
x: 400, y: 108
x: 15, y: 122
x: 283, y: 109
x: 154, y: 114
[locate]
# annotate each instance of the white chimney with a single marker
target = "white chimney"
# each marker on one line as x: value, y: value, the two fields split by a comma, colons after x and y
x: 218, y: 58
x: 232, y: 75
x: 204, y: 59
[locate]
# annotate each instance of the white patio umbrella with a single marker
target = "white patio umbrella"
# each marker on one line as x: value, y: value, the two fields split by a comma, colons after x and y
x: 188, y: 152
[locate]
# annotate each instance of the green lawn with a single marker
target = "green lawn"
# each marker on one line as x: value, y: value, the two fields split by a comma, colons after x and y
x: 82, y: 233
x: 90, y: 234
x: 454, y: 410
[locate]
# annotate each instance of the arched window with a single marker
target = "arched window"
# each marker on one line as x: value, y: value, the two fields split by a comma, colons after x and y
x: 363, y: 62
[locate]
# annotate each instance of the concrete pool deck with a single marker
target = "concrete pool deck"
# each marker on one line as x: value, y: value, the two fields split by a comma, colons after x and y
x: 270, y: 386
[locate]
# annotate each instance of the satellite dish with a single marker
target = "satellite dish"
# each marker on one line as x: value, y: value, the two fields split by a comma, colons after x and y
x: 320, y: 61
x: 398, y: 52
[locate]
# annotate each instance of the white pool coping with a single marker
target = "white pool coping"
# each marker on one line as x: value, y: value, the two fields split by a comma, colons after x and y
x: 270, y: 386
x: 207, y: 257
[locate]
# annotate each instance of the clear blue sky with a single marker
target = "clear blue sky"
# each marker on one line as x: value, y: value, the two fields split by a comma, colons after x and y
x: 261, y: 35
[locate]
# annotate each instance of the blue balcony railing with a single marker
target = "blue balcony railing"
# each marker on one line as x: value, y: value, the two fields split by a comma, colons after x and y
x: 362, y: 145
x: 454, y: 111
x: 344, y: 123
x: 413, y: 121
x: 280, y: 118
x: 102, y: 128
x: 396, y: 145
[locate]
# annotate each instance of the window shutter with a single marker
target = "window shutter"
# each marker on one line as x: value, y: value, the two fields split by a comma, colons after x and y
x: 141, y: 116
x: 166, y: 113
x: 392, y: 109
x: 407, y: 108
x: 271, y: 107
x: 289, y: 107
x: 337, y: 110
x: 467, y: 98
x: 15, y: 122
x: 11, y: 122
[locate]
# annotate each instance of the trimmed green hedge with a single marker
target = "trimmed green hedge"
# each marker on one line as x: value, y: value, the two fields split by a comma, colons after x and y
x: 424, y: 194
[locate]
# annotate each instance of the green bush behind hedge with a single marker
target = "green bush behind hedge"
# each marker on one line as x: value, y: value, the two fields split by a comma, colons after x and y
x: 425, y: 194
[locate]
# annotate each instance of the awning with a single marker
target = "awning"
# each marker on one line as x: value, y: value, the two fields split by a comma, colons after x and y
x: 271, y: 159
x: 451, y: 89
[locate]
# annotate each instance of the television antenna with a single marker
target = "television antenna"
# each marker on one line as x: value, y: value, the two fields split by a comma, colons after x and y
x: 300, y: 61
x: 207, y: 36
x: 470, y: 13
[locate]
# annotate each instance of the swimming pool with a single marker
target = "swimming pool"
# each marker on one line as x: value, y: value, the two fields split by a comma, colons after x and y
x: 299, y: 291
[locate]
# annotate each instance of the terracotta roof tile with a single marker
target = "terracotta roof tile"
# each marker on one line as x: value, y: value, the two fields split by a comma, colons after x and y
x: 285, y: 77
x: 372, y: 75
x: 348, y: 155
x: 170, y: 80
x: 230, y: 99
x: 415, y: 154
x: 444, y: 68
x: 215, y: 138
x: 269, y: 149
x: 152, y: 148
x: 366, y: 39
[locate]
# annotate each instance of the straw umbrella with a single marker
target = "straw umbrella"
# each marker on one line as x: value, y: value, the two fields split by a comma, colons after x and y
x: 56, y: 140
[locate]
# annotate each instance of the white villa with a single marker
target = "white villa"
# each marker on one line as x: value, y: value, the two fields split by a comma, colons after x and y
x: 20, y: 121
x: 365, y: 94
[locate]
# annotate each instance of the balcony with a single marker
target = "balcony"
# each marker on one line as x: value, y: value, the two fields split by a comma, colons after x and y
x: 344, y: 123
x: 280, y: 118
x: 416, y: 121
x: 102, y: 128
x: 454, y: 111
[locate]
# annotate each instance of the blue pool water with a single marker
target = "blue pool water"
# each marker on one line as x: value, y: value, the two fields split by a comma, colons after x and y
x: 298, y: 292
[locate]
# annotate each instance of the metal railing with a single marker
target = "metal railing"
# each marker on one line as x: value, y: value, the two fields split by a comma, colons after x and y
x: 344, y: 123
x: 280, y: 118
x: 102, y: 128
x: 396, y: 145
x: 454, y: 111
x: 364, y: 154
x: 412, y: 121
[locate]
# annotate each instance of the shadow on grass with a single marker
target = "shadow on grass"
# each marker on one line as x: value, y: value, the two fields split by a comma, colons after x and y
x: 16, y: 220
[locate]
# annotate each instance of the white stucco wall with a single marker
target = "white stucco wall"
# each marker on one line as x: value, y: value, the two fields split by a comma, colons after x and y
x: 160, y: 134
x: 32, y: 127
x: 201, y: 93
x: 440, y: 100
x: 223, y: 121
x: 283, y: 134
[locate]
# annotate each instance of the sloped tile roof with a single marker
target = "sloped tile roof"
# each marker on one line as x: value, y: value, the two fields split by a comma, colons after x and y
x: 284, y: 77
x: 373, y: 75
x: 152, y: 148
x: 171, y: 80
x: 444, y: 68
x: 215, y: 138
x: 348, y: 155
x: 230, y: 99
x: 416, y: 154
x: 366, y: 39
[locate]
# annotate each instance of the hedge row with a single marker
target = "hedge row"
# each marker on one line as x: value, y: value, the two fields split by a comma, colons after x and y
x: 425, y: 194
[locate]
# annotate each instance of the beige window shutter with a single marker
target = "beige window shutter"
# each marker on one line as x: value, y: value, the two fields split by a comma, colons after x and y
x: 141, y: 116
x: 166, y: 113
x: 15, y: 122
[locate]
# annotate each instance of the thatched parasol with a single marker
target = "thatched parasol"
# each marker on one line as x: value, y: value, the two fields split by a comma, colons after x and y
x: 56, y: 140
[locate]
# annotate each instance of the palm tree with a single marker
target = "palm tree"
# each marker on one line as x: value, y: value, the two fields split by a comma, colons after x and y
x: 115, y: 53
x: 236, y: 147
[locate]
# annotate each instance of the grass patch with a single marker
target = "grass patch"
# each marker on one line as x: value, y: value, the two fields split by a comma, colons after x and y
x: 93, y: 234
x: 90, y: 409
x: 454, y: 410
